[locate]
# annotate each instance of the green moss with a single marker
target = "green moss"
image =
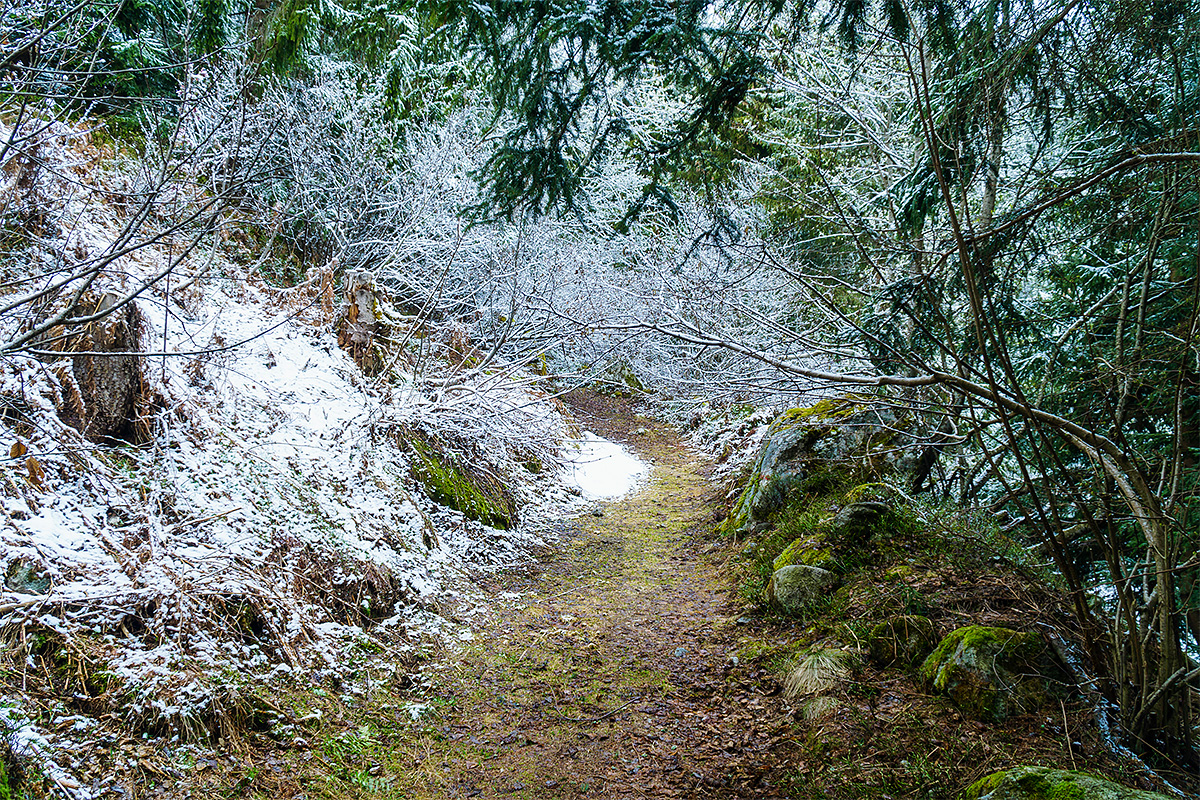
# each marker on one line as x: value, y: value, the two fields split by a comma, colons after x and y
x: 732, y: 524
x: 974, y: 637
x: 451, y: 486
x: 804, y: 551
x: 6, y: 783
x: 987, y: 671
x: 984, y: 786
x: 778, y: 657
x: 1062, y: 790
x: 830, y: 408
x: 1044, y: 783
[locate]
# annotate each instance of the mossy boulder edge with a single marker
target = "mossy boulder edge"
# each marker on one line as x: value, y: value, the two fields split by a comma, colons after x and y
x: 448, y: 483
x: 808, y: 551
x: 1043, y: 783
x: 991, y: 673
x: 794, y: 589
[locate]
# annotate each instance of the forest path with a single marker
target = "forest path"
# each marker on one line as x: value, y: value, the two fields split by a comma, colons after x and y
x: 609, y: 675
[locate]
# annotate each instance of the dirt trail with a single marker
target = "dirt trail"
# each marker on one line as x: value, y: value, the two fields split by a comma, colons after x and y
x: 610, y: 676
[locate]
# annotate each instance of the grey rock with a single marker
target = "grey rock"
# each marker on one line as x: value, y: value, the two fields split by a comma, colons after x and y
x: 26, y: 577
x: 992, y: 673
x: 794, y: 588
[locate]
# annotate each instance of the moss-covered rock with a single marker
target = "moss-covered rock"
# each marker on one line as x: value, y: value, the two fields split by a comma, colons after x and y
x: 991, y: 673
x: 778, y: 469
x: 26, y: 577
x: 828, y: 543
x: 905, y: 640
x: 794, y: 589
x: 815, y: 450
x: 1043, y: 783
x: 858, y: 523
x: 808, y: 551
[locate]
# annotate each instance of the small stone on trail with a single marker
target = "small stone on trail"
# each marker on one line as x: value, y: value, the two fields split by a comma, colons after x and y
x: 597, y: 512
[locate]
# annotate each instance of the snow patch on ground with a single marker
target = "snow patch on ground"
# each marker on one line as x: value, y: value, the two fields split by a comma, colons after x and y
x: 602, y: 470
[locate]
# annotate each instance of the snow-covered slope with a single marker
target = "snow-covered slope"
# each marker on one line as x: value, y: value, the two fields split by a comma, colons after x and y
x: 264, y: 520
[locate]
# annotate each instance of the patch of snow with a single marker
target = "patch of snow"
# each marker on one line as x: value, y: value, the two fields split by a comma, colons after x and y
x: 416, y: 710
x: 600, y: 469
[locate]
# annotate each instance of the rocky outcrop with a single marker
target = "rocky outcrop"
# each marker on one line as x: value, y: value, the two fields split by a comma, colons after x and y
x: 812, y: 449
x: 793, y: 589
x: 779, y: 468
x: 1043, y: 783
x: 992, y: 673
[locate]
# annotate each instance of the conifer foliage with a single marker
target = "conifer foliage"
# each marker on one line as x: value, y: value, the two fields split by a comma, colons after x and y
x: 560, y: 75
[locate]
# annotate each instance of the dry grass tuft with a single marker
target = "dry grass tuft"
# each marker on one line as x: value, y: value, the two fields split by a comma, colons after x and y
x: 819, y: 707
x: 818, y: 672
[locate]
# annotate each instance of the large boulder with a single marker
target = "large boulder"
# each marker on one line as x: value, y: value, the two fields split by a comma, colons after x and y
x: 906, y: 640
x: 793, y: 589
x: 1043, y: 783
x: 811, y: 450
x: 992, y: 673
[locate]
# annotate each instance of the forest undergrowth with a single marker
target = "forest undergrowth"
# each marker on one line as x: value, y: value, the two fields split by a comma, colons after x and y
x: 627, y: 663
